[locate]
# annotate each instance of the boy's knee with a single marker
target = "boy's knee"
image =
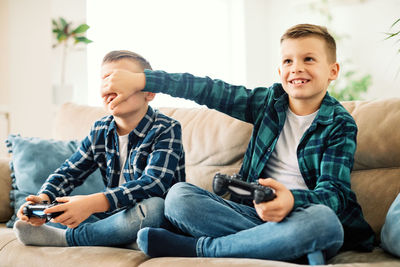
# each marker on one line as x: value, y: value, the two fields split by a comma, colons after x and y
x: 152, y: 205
x: 325, y: 218
x: 177, y: 192
x: 179, y: 199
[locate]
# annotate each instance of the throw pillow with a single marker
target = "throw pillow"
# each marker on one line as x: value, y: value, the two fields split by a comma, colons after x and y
x: 33, y: 160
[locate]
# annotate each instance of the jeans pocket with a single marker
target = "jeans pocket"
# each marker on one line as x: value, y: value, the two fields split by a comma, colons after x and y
x: 141, y: 211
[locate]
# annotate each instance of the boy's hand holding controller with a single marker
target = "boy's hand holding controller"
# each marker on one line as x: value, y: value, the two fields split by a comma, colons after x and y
x: 278, y: 208
x: 32, y: 199
x: 123, y: 83
x: 76, y: 209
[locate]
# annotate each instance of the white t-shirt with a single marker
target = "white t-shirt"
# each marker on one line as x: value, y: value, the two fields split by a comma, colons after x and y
x: 123, y: 153
x: 283, y: 164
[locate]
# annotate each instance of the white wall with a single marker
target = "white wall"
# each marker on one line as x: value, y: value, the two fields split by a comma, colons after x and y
x: 4, y: 46
x: 29, y: 67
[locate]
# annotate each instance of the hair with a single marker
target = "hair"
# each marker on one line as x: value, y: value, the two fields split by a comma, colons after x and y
x: 125, y: 54
x: 306, y: 30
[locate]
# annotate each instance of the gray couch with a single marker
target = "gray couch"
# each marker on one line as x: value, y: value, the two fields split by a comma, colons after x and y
x: 214, y: 143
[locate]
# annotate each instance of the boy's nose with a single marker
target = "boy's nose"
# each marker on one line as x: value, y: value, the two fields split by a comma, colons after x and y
x: 297, y: 67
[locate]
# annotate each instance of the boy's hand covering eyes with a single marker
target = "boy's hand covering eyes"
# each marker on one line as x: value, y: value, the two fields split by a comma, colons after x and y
x: 278, y: 208
x: 121, y: 82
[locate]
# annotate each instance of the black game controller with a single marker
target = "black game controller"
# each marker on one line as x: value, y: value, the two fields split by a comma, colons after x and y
x: 37, y: 210
x: 241, y: 189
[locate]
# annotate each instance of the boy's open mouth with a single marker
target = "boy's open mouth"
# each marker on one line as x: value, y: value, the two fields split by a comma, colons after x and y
x: 299, y: 81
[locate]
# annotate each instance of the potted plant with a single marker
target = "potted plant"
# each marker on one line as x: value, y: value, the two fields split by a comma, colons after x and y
x: 67, y: 37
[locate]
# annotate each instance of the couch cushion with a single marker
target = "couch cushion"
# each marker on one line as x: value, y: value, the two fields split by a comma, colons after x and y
x: 376, y: 189
x: 33, y: 160
x: 74, y: 121
x: 378, y: 139
x: 14, y: 253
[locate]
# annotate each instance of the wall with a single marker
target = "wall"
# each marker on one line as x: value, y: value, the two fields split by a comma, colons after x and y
x: 29, y: 67
x: 4, y: 31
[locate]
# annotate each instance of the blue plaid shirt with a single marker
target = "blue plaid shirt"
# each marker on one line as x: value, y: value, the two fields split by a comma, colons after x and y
x: 155, y: 161
x: 325, y: 153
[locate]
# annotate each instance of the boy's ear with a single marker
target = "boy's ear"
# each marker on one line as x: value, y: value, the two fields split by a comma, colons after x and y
x: 334, y: 71
x: 150, y: 96
x: 279, y: 71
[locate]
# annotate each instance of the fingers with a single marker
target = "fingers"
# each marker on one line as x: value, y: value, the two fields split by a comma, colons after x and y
x: 271, y: 183
x: 106, y: 74
x: 34, y: 199
x: 270, y: 212
x: 116, y: 101
x: 63, y: 199
x: 106, y: 84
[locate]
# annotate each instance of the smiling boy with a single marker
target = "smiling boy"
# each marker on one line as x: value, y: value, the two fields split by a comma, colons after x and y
x: 302, y: 146
x: 140, y: 155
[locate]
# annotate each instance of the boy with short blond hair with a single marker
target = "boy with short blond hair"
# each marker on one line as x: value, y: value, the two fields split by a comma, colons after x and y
x: 140, y: 155
x: 302, y: 146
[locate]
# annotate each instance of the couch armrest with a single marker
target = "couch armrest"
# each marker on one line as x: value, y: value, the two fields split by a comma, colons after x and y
x: 5, y: 187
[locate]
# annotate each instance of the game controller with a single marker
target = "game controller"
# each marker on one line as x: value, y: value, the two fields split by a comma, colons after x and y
x: 37, y: 210
x: 241, y: 189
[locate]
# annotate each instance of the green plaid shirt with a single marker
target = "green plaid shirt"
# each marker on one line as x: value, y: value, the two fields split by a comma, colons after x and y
x: 325, y: 153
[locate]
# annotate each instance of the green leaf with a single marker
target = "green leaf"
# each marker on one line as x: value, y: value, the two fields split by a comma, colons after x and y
x: 63, y: 23
x: 391, y: 35
x: 394, y: 23
x: 82, y: 39
x: 81, y: 29
x: 54, y: 23
x: 61, y: 37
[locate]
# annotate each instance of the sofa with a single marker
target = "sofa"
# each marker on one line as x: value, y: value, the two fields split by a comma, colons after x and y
x: 214, y: 143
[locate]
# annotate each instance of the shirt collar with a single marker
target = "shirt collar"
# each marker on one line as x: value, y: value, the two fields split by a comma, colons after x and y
x: 141, y: 129
x: 326, y: 110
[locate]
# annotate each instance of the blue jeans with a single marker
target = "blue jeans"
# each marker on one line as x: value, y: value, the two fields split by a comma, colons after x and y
x: 120, y: 228
x: 229, y: 229
x: 390, y: 234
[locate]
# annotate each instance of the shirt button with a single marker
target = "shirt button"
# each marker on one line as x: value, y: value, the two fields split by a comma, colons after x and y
x: 269, y: 149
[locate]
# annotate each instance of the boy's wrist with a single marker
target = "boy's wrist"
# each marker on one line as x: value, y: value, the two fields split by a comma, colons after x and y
x: 100, y: 202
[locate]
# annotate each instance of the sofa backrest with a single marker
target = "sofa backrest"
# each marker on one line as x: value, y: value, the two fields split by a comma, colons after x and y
x: 215, y: 142
x: 376, y: 174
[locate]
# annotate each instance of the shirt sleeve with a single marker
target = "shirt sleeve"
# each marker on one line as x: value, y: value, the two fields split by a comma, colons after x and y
x: 333, y: 187
x: 236, y: 101
x: 72, y: 172
x: 158, y: 175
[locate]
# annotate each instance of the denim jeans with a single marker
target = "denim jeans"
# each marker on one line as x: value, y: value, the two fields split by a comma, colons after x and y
x: 229, y: 229
x: 390, y: 234
x: 120, y: 228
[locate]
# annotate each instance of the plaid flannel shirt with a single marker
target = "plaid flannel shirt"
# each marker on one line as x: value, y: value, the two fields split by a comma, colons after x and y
x: 325, y: 153
x: 155, y: 161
